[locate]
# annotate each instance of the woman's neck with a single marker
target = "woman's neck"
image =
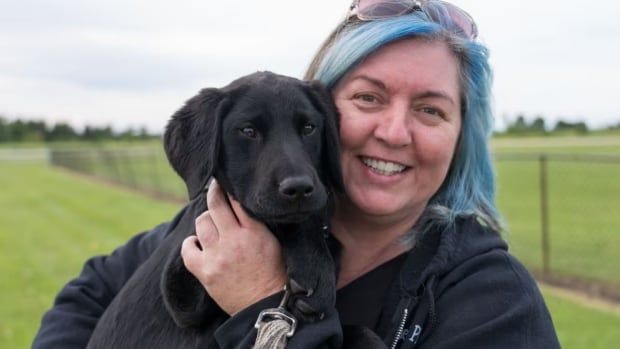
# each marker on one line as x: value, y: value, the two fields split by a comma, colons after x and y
x: 367, y: 241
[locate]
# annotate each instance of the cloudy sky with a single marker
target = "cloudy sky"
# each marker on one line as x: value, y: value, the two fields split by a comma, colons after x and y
x: 133, y: 63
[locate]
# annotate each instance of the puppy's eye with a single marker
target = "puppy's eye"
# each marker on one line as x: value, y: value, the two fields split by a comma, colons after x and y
x: 308, y: 129
x: 249, y: 132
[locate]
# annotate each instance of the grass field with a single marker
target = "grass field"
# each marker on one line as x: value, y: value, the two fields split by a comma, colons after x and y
x: 580, y: 327
x: 51, y: 221
x: 582, y: 199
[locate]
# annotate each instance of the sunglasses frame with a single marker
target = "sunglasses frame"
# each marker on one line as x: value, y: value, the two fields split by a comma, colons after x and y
x: 419, y: 5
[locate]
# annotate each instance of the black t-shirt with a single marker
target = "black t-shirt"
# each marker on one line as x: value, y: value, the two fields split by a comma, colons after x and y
x: 360, y: 302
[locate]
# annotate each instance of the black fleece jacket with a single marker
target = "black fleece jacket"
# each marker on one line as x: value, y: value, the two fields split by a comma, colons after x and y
x: 456, y: 289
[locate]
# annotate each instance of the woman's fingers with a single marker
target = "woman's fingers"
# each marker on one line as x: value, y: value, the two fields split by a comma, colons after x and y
x: 222, y: 215
x: 191, y: 254
x: 206, y: 231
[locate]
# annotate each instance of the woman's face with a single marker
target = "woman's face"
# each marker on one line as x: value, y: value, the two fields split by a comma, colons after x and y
x: 400, y: 122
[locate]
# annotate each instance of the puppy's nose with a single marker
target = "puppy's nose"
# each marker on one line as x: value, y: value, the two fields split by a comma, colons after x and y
x: 296, y: 188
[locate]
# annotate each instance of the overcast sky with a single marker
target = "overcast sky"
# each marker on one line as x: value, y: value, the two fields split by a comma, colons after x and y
x: 133, y: 63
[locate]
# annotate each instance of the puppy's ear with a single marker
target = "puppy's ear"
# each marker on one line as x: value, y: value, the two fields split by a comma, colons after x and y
x: 322, y: 100
x: 192, y: 139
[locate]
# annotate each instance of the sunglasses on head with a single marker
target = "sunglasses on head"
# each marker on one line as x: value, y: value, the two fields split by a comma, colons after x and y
x: 436, y: 11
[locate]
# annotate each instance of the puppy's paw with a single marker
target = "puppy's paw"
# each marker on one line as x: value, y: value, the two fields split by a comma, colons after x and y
x: 310, y: 303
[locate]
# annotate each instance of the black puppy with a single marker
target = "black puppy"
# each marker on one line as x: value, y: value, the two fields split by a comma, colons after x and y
x: 272, y: 143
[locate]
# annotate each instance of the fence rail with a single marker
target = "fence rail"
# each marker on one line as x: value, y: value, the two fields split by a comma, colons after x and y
x: 592, y: 158
x: 560, y: 208
x: 30, y: 154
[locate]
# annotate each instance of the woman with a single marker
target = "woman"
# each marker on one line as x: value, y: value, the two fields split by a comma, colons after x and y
x: 422, y: 262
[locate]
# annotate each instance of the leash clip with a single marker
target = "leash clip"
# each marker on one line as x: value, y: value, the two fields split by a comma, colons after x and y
x: 278, y: 313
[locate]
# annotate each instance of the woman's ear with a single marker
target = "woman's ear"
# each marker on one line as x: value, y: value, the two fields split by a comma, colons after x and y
x: 192, y: 139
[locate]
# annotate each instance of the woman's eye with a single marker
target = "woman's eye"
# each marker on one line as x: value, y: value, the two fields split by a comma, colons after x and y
x: 433, y: 111
x: 249, y: 132
x: 366, y: 98
x: 308, y: 129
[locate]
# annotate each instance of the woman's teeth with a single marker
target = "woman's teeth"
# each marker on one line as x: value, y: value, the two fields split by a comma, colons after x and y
x: 383, y: 167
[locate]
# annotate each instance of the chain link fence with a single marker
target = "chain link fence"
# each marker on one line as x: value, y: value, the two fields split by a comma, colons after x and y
x: 562, y: 211
x: 141, y: 168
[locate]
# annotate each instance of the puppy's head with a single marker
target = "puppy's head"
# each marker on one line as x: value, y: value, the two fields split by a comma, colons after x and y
x: 271, y: 141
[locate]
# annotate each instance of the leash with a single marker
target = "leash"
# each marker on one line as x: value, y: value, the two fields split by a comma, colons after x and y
x: 275, y: 325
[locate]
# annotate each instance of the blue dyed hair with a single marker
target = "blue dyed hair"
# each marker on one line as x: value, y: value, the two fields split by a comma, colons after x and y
x: 469, y: 188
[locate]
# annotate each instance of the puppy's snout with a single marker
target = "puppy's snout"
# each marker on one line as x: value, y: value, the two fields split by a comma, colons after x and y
x: 296, y: 188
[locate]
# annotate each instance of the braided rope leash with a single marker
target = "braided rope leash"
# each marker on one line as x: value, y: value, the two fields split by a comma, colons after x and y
x: 272, y: 335
x: 275, y: 325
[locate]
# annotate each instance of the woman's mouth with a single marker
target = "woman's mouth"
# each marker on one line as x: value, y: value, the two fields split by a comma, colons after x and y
x: 385, y: 168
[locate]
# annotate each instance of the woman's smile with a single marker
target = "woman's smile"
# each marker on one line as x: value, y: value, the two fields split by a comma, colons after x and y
x: 384, y: 168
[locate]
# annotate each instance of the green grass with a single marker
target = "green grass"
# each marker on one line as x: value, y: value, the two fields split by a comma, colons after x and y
x: 50, y: 223
x: 580, y: 327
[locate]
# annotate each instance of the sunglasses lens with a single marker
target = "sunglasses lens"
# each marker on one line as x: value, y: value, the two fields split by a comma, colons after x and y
x: 462, y: 20
x: 377, y: 9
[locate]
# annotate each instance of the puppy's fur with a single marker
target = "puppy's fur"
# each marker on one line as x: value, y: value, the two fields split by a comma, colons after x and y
x: 272, y: 143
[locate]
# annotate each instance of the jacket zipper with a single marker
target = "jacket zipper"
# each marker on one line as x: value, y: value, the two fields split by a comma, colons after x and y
x: 401, y: 325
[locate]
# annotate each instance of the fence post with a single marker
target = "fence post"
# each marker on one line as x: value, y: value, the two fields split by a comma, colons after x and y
x: 544, y: 216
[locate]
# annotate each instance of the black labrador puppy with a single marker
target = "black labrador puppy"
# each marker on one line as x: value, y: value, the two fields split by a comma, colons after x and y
x: 271, y: 142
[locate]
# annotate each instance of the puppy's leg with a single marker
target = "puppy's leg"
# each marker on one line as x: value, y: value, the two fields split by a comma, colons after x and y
x: 311, y: 272
x: 184, y: 297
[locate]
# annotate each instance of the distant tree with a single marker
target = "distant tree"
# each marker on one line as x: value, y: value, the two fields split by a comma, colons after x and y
x: 35, y: 131
x: 107, y: 133
x: 4, y: 134
x: 538, y: 126
x: 62, y: 132
x: 17, y: 131
x: 38, y: 131
x: 564, y: 126
x: 519, y: 126
x: 128, y: 134
x: 144, y: 134
x: 97, y: 133
x: 88, y: 134
x: 581, y: 127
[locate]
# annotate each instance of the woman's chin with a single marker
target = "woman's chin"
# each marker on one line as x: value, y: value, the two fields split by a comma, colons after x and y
x: 380, y: 205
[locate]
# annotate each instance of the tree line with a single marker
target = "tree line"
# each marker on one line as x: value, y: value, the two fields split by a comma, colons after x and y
x: 40, y: 131
x: 538, y: 126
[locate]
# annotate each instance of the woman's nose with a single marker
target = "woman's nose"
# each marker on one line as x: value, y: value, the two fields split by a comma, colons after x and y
x: 392, y: 127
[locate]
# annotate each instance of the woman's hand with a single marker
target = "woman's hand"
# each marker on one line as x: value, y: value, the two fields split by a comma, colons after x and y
x: 236, y: 258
